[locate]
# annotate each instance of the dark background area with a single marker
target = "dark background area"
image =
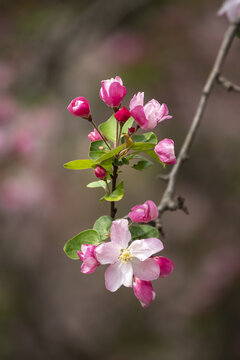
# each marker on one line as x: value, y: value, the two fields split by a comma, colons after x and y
x: 51, y: 52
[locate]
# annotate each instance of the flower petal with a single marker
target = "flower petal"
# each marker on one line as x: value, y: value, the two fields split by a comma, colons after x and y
x: 107, y: 253
x: 114, y: 277
x: 165, y: 264
x: 146, y: 270
x: 143, y: 249
x: 127, y: 274
x: 120, y: 234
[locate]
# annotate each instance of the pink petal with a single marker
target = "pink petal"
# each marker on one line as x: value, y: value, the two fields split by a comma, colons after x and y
x: 107, y: 253
x: 114, y: 277
x: 120, y: 234
x: 137, y: 100
x: 165, y: 264
x: 117, y: 93
x: 143, y: 249
x: 145, y: 270
x: 89, y: 265
x: 143, y: 291
x: 139, y: 116
x: 127, y: 274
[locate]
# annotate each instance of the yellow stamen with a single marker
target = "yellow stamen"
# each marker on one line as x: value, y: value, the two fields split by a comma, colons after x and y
x: 125, y: 256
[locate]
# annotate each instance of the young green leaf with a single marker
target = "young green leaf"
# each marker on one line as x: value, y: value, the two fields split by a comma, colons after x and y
x: 102, y: 226
x: 79, y: 164
x: 142, y: 146
x: 148, y: 137
x: 97, y: 184
x: 108, y: 128
x: 117, y: 194
x: 142, y: 165
x: 154, y: 156
x: 110, y: 154
x: 85, y: 237
x: 97, y: 149
x: 143, y: 232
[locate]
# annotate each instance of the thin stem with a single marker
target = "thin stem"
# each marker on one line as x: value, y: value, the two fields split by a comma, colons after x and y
x: 120, y: 132
x: 113, y: 209
x: 117, y: 127
x: 99, y: 132
x: 168, y: 202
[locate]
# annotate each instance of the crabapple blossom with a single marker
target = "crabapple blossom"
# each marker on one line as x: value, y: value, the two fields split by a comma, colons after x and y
x: 149, y: 115
x: 87, y: 255
x: 94, y: 135
x: 127, y: 260
x: 144, y: 213
x: 122, y: 115
x: 143, y: 291
x: 79, y: 107
x: 165, y: 264
x: 165, y: 151
x: 232, y: 10
x: 112, y: 91
x: 100, y: 172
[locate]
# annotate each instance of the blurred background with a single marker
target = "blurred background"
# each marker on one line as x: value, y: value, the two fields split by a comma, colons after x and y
x: 51, y: 52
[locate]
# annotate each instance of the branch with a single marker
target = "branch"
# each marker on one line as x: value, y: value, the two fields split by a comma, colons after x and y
x: 228, y: 85
x: 168, y: 202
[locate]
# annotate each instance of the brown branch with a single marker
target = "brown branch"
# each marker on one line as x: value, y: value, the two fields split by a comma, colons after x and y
x: 227, y: 84
x: 168, y: 202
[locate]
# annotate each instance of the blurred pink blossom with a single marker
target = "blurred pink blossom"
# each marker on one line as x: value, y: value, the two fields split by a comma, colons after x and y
x: 8, y: 109
x: 94, y: 136
x: 232, y: 10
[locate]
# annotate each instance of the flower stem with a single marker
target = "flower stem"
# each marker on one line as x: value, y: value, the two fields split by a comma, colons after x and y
x: 99, y: 132
x: 113, y: 209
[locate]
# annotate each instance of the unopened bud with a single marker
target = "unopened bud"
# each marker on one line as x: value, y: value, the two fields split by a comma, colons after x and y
x: 100, y: 172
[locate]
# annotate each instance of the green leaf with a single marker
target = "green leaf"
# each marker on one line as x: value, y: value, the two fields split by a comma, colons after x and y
x: 79, y: 164
x: 143, y: 232
x: 148, y: 137
x: 117, y: 194
x: 142, y: 165
x: 102, y: 226
x: 142, y: 146
x: 154, y: 156
x: 97, y: 184
x: 108, y: 128
x: 85, y: 237
x: 111, y: 153
x: 95, y: 152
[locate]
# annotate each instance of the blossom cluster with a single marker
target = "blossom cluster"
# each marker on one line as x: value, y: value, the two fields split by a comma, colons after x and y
x: 130, y: 263
x: 131, y: 251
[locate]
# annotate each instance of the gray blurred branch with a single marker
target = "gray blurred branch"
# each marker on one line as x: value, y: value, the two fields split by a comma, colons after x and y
x: 227, y: 84
x: 168, y: 201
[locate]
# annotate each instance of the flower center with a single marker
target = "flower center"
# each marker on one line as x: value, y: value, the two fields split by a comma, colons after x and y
x: 125, y: 256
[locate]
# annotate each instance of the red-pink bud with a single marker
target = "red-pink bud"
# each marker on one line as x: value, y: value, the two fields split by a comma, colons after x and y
x: 94, y: 136
x: 165, y: 264
x: 122, y: 115
x: 144, y: 213
x: 100, y: 172
x: 112, y: 91
x: 87, y: 255
x: 131, y: 130
x: 79, y: 107
x: 143, y: 291
x: 165, y: 151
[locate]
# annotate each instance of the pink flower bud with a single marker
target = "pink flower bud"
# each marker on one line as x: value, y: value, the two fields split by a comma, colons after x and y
x: 166, y: 265
x: 165, y: 151
x: 232, y: 9
x: 144, y: 213
x: 79, y: 107
x: 87, y: 255
x: 149, y: 115
x: 122, y: 115
x: 100, y: 172
x: 112, y: 91
x: 143, y: 291
x: 94, y: 136
x: 131, y: 130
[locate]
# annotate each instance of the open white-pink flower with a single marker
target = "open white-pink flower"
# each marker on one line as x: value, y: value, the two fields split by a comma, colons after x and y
x: 127, y: 260
x: 232, y: 9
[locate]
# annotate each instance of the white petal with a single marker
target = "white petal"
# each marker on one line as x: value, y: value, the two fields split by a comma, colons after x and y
x: 113, y: 277
x: 143, y: 249
x: 120, y: 234
x: 107, y: 253
x: 146, y: 270
x: 127, y: 274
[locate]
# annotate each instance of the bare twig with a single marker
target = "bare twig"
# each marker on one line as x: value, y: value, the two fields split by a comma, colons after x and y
x: 168, y: 202
x: 227, y: 84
